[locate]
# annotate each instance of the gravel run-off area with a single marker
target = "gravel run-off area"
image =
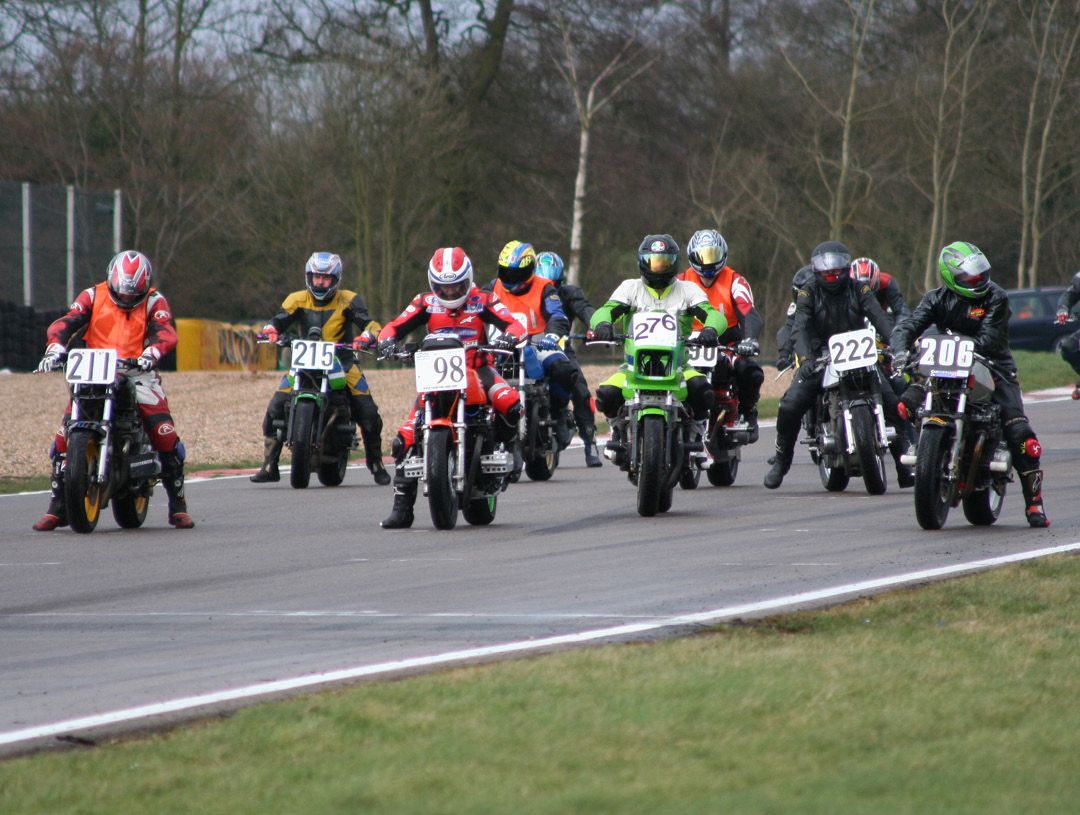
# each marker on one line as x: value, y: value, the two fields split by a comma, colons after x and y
x: 218, y: 414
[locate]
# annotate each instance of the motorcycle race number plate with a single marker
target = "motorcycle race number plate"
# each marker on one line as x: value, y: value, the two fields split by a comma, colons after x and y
x: 312, y: 355
x: 440, y: 370
x: 700, y: 356
x: 657, y: 328
x: 946, y: 356
x: 853, y: 349
x: 91, y: 366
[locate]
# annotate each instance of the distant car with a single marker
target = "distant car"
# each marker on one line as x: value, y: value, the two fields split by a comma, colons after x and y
x: 1032, y: 326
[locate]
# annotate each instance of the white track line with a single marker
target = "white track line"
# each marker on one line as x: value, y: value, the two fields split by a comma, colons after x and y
x: 314, y: 680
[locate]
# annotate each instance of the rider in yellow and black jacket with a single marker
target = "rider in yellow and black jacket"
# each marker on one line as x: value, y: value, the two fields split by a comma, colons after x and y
x: 343, y: 318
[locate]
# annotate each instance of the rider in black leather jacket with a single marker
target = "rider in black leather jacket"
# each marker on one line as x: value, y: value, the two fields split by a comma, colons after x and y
x: 829, y: 304
x: 971, y: 304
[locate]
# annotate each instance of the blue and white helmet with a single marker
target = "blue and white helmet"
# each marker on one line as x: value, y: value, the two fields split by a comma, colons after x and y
x: 707, y: 252
x: 323, y: 263
x: 549, y: 266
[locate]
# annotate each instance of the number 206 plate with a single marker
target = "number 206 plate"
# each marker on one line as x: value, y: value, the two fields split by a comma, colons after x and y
x: 441, y: 370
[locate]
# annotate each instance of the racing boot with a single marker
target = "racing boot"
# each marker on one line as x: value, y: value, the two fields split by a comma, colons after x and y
x: 904, y: 441
x: 785, y: 452
x: 563, y: 434
x: 1076, y: 391
x: 401, y: 516
x: 269, y: 469
x: 378, y: 471
x: 751, y: 419
x: 56, y: 514
x: 172, y: 478
x: 1031, y: 484
x: 614, y: 450
x: 592, y: 453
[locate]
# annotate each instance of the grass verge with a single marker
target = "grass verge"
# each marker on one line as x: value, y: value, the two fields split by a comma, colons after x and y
x: 959, y: 697
x: 1039, y: 370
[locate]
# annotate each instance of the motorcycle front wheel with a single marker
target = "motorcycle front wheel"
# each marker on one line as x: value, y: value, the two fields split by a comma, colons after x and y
x: 932, y: 488
x: 441, y: 468
x: 872, y: 464
x: 651, y: 475
x: 303, y: 419
x: 83, y: 495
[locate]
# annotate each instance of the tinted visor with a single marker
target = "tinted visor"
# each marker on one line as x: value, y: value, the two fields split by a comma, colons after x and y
x: 972, y: 272
x: 831, y: 261
x: 658, y: 262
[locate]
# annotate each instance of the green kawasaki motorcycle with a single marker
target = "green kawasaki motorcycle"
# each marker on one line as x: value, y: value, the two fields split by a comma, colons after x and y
x: 659, y: 436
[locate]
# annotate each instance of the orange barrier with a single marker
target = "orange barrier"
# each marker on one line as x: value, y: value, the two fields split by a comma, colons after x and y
x: 208, y: 345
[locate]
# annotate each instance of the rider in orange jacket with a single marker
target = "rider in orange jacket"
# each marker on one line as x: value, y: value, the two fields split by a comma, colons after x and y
x: 125, y: 313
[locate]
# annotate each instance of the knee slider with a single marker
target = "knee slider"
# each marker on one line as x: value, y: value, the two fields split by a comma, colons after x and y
x: 608, y: 398
x: 504, y: 398
x: 398, y: 448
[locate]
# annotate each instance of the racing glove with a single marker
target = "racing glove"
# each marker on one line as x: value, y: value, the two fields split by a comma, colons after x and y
x: 147, y: 360
x: 363, y: 341
x: 748, y: 347
x: 900, y: 360
x: 708, y: 337
x: 548, y: 342
x: 269, y: 333
x: 1061, y: 317
x: 51, y: 358
x: 387, y: 348
x: 604, y: 332
x: 507, y: 342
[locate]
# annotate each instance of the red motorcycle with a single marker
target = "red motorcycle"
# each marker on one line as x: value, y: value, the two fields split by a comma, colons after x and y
x: 725, y: 435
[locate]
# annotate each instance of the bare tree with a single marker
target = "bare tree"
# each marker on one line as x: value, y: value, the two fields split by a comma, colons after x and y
x: 1053, y: 29
x: 593, y: 85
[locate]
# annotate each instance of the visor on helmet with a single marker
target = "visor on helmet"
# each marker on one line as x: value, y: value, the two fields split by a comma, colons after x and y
x: 831, y: 262
x: 972, y: 272
x: 658, y: 262
x: 451, y: 293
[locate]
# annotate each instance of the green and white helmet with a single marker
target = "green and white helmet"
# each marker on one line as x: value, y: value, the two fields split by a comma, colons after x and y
x: 965, y: 269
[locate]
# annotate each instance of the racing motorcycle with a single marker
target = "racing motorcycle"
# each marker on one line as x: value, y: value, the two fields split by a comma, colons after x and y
x: 109, y: 457
x: 849, y: 436
x: 725, y: 435
x: 961, y: 457
x: 660, y: 439
x: 318, y: 425
x: 455, y: 455
x: 539, y: 444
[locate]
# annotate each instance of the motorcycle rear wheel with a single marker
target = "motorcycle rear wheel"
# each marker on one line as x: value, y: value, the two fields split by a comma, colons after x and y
x: 441, y: 466
x: 932, y: 488
x: 480, y: 511
x: 982, y: 508
x: 834, y: 479
x: 130, y: 510
x: 83, y: 496
x: 304, y: 418
x: 332, y: 473
x: 651, y: 456
x: 722, y: 473
x: 542, y: 467
x: 872, y: 464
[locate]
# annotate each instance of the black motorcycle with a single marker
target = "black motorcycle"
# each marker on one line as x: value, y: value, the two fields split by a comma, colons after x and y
x: 537, y: 436
x: 961, y: 456
x: 109, y: 457
x: 849, y: 437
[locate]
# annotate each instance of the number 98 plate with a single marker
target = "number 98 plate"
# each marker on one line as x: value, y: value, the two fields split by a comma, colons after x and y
x: 440, y: 370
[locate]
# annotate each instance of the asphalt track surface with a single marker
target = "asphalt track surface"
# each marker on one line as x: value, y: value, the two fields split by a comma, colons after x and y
x: 277, y: 583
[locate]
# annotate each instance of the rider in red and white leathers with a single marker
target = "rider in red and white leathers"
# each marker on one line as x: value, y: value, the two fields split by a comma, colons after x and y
x: 453, y: 306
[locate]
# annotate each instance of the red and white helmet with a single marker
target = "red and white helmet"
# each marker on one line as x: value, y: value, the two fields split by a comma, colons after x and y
x: 865, y: 270
x: 450, y: 275
x: 128, y: 278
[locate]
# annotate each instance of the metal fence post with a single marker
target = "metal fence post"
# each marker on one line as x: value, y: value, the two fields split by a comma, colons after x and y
x: 27, y: 258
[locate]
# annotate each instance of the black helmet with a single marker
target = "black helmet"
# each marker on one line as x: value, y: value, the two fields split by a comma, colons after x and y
x: 802, y: 277
x: 831, y: 262
x: 658, y: 258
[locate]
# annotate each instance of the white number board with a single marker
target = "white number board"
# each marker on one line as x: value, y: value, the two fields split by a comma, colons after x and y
x: 853, y: 349
x: 945, y: 355
x: 654, y: 328
x: 700, y: 356
x: 440, y: 370
x: 91, y: 366
x: 312, y: 355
